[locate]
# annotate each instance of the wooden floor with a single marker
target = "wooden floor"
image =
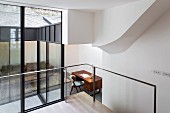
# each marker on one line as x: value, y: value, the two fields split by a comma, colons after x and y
x: 77, y: 103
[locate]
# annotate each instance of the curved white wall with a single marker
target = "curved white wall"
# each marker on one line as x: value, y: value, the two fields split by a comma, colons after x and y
x: 123, y: 40
x: 159, y: 8
x: 112, y: 23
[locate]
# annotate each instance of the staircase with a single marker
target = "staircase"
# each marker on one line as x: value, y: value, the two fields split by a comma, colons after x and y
x: 121, y: 37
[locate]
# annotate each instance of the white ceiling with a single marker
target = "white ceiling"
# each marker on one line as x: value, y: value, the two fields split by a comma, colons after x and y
x: 91, y: 5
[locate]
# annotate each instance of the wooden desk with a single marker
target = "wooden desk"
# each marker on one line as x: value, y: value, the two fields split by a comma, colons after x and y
x: 88, y: 81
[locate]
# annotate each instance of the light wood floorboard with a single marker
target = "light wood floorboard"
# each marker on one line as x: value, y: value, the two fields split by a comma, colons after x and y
x: 77, y: 103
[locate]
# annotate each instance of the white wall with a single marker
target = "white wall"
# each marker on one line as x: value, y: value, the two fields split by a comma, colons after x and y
x: 80, y: 54
x: 71, y: 55
x: 80, y: 27
x: 90, y: 55
x: 112, y: 23
x: 150, y: 52
x: 146, y: 20
x: 65, y: 26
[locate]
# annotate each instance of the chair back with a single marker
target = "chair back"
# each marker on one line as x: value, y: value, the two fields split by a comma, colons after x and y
x: 72, y: 77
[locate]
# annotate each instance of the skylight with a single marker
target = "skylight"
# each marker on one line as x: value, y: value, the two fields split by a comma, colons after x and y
x: 34, y: 17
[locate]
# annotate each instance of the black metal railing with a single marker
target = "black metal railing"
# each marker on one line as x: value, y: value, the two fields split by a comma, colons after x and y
x: 121, y: 75
x: 65, y: 70
x: 137, y: 80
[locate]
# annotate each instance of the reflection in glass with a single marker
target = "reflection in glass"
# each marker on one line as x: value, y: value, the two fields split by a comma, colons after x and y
x: 10, y: 58
x: 54, y: 76
x: 42, y: 67
x: 30, y: 65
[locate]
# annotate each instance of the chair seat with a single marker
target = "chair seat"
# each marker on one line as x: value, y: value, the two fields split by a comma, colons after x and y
x: 78, y: 83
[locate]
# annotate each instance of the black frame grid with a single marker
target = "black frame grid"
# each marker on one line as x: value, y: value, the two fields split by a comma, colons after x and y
x: 22, y: 59
x: 49, y: 33
x: 51, y: 38
x: 39, y: 38
x: 38, y: 66
x: 62, y: 62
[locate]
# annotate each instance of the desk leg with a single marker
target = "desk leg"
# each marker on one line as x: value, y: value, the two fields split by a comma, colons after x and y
x: 99, y: 90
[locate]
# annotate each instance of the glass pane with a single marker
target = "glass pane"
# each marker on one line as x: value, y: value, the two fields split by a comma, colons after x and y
x: 4, y: 82
x: 36, y: 17
x: 42, y: 67
x: 15, y: 67
x: 54, y: 76
x: 9, y: 58
x: 31, y: 79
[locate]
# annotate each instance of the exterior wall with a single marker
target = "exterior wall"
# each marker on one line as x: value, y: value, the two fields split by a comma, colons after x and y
x: 31, y: 53
x: 4, y: 46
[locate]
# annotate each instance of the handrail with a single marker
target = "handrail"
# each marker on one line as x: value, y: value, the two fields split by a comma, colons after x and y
x: 154, y: 86
x: 10, y: 76
x: 44, y: 70
x: 113, y: 73
x: 127, y: 77
x: 94, y: 67
x: 31, y: 72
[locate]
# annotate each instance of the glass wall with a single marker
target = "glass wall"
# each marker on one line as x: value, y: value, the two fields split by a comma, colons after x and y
x: 42, y: 50
x: 10, y: 58
x: 42, y: 27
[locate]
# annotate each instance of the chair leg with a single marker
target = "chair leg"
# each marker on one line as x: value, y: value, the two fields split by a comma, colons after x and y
x: 77, y: 89
x: 71, y: 90
x: 80, y: 88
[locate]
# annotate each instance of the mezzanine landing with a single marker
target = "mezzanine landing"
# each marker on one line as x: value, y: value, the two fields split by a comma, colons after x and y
x: 77, y: 103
